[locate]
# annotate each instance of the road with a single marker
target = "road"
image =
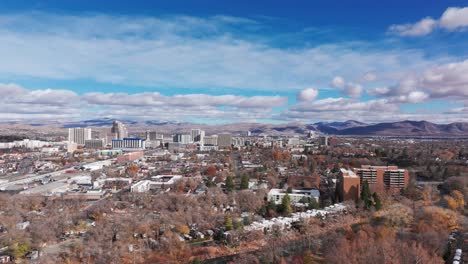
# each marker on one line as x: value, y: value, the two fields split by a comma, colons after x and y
x: 56, y: 175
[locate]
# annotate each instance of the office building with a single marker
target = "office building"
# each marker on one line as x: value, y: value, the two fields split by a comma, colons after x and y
x: 182, y: 138
x: 95, y: 143
x: 238, y: 141
x: 211, y: 140
x: 197, y: 135
x: 79, y: 135
x: 129, y: 144
x: 154, y: 136
x: 224, y: 140
x: 119, y: 131
x: 323, y: 140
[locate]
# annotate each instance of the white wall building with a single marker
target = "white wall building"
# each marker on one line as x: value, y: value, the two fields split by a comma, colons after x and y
x: 79, y: 135
x: 129, y: 144
x: 198, y: 135
x: 296, y: 195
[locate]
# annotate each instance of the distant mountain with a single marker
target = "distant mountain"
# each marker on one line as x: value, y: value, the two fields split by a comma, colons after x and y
x: 407, y: 128
x: 341, y: 125
x: 403, y: 128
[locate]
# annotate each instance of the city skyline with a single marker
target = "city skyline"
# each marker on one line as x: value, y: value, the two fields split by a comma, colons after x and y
x: 201, y: 62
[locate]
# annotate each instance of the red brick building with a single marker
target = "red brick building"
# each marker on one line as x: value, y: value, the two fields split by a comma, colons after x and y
x: 380, y: 179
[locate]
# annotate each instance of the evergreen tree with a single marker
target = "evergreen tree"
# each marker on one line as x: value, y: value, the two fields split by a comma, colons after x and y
x: 377, y: 201
x: 366, y: 194
x: 286, y: 205
x: 229, y: 184
x: 228, y: 222
x: 244, y: 182
x: 313, y: 204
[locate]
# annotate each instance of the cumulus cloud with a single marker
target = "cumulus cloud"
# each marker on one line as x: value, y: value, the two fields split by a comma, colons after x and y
x: 338, y: 82
x: 308, y: 94
x: 22, y: 103
x: 412, y: 97
x: 452, y: 19
x: 421, y: 28
x: 216, y: 53
x: 353, y: 89
x: 341, y: 104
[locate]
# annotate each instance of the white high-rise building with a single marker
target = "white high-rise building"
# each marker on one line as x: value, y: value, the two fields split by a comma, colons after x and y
x: 119, y: 131
x: 79, y: 135
x: 182, y: 138
x: 198, y: 135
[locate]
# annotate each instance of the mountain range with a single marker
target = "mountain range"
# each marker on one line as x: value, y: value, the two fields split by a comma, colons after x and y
x: 351, y: 127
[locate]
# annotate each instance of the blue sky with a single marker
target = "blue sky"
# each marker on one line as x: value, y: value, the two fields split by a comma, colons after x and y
x: 234, y: 61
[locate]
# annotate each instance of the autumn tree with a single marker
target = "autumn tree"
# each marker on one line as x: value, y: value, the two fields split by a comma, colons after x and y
x: 459, y: 199
x: 211, y: 171
x: 308, y: 258
x: 132, y: 170
x: 228, y: 222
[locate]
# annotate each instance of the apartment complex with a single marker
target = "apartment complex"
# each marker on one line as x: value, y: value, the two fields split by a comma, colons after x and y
x: 379, y: 178
x: 348, y: 185
x: 382, y: 178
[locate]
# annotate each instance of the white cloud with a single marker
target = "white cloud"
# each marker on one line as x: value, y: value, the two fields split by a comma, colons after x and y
x: 24, y: 103
x: 352, y: 89
x: 421, y: 28
x: 338, y: 82
x: 413, y: 97
x: 452, y: 19
x: 308, y: 94
x: 369, y: 77
x: 379, y: 91
x: 215, y: 53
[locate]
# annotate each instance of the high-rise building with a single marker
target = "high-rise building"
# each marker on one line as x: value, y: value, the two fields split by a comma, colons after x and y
x: 224, y: 140
x: 95, y: 143
x: 211, y: 140
x: 153, y: 136
x: 348, y: 185
x: 379, y: 178
x: 382, y: 178
x: 197, y: 135
x: 128, y: 144
x: 182, y: 138
x: 79, y: 135
x: 323, y: 140
x: 119, y: 131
